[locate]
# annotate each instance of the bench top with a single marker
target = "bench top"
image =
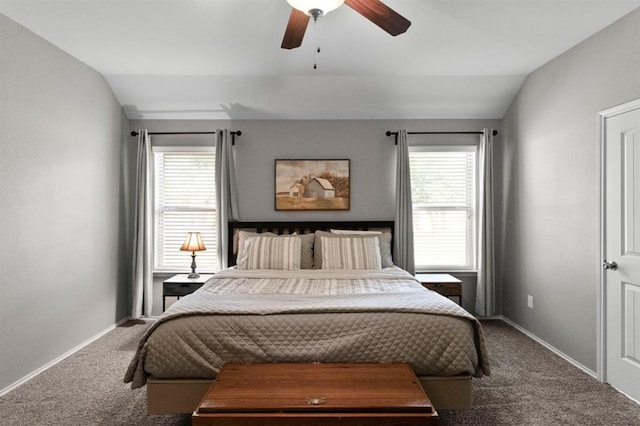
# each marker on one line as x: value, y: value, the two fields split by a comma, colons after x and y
x: 316, y: 388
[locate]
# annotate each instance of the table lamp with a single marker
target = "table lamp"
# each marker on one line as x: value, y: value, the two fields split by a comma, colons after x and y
x: 193, y: 243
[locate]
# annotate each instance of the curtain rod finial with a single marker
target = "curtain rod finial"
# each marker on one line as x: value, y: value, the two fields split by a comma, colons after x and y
x: 390, y: 133
x: 134, y: 133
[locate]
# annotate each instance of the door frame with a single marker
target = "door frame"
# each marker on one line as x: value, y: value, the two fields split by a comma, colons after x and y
x: 601, y: 299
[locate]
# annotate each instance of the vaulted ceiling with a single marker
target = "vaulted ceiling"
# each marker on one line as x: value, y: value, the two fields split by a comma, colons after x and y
x: 221, y: 59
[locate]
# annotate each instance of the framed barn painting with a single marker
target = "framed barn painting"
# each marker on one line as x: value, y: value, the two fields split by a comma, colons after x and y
x: 312, y: 185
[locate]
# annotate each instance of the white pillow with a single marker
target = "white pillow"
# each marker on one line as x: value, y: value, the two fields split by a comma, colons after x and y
x: 384, y: 241
x: 306, y: 245
x: 270, y: 253
x: 350, y: 253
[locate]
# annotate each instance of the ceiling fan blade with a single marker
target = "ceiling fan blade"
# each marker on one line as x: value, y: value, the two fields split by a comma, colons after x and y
x: 296, y: 27
x: 381, y: 15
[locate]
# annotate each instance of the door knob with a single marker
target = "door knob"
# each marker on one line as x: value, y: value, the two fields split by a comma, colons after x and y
x: 609, y: 265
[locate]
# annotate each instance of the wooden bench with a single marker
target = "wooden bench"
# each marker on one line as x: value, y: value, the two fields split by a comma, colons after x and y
x: 315, y: 394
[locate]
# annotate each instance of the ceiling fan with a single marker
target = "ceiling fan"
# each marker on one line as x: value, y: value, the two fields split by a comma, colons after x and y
x: 374, y: 10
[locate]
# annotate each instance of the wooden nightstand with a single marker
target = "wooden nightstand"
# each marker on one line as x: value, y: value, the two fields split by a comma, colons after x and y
x: 180, y: 285
x: 445, y: 284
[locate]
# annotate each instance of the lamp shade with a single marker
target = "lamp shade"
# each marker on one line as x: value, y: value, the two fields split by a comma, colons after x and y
x: 193, y: 242
x: 324, y: 5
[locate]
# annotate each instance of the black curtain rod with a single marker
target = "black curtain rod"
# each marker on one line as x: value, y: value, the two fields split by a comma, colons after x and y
x: 389, y: 133
x: 233, y: 134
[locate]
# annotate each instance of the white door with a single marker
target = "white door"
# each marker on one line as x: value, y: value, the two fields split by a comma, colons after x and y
x: 621, y: 247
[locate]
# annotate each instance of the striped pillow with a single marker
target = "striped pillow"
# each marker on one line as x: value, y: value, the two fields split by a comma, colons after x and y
x: 270, y: 253
x: 350, y: 253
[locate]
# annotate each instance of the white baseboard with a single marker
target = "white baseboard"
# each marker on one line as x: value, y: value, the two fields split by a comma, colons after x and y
x: 550, y: 347
x: 61, y: 357
x: 626, y: 394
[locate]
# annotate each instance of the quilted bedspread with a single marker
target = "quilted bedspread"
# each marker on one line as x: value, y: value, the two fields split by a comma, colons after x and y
x: 310, y: 316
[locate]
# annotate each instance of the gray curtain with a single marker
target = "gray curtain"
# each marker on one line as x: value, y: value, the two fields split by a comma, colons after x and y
x: 403, y: 238
x: 226, y: 193
x: 143, y: 230
x: 485, y: 291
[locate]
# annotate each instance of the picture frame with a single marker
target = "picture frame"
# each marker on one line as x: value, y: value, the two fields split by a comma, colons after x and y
x: 312, y: 185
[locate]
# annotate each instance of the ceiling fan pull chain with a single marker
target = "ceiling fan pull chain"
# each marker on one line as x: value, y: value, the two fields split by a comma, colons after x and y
x: 317, y: 38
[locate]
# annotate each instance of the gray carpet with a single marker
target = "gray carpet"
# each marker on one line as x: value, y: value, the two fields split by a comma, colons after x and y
x: 529, y: 386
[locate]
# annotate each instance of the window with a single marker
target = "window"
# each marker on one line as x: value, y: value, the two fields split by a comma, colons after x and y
x: 443, y: 190
x: 184, y: 201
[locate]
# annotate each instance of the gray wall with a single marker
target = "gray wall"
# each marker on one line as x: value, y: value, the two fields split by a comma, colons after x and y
x: 364, y: 142
x: 548, y: 187
x: 62, y: 270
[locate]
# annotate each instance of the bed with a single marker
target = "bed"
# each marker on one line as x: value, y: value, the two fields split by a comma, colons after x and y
x: 309, y: 292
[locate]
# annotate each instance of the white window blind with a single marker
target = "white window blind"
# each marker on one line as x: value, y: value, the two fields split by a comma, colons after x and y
x: 443, y: 190
x: 184, y: 201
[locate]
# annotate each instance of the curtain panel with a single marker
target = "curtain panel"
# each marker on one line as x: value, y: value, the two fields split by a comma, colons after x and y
x: 226, y: 191
x: 143, y: 230
x: 403, y: 238
x: 485, y: 289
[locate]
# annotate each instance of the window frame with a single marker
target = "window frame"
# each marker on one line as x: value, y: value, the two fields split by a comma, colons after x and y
x: 186, y: 149
x: 472, y: 221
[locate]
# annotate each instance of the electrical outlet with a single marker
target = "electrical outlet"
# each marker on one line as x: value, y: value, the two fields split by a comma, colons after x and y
x: 530, y: 301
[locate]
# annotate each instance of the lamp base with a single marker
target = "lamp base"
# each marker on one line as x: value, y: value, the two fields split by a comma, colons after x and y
x: 193, y: 273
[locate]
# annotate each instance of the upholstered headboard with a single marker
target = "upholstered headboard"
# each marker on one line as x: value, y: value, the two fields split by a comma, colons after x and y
x: 281, y: 228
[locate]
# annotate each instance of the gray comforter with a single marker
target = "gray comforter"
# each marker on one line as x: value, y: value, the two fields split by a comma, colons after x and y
x: 310, y: 316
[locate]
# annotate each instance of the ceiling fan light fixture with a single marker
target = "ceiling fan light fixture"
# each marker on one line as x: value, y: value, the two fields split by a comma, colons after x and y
x: 311, y: 7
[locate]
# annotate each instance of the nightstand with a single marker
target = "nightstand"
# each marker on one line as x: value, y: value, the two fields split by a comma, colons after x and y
x: 445, y: 284
x: 181, y: 285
